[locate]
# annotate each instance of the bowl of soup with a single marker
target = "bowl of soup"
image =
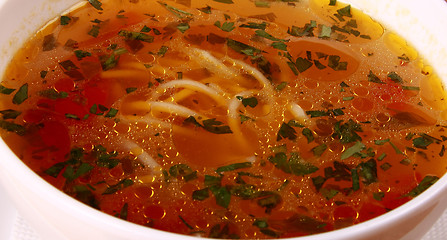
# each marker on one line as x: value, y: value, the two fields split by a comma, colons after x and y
x: 142, y: 119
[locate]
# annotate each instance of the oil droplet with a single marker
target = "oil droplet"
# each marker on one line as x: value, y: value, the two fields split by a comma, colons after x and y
x: 154, y: 212
x: 158, y: 71
x: 116, y: 173
x: 304, y: 104
x: 336, y: 147
x: 362, y: 104
x: 188, y: 188
x: 361, y: 91
x: 144, y: 192
x: 383, y: 118
x: 311, y: 84
x: 122, y: 128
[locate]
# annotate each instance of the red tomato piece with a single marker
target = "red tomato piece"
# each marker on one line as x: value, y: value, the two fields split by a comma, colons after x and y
x: 55, y: 134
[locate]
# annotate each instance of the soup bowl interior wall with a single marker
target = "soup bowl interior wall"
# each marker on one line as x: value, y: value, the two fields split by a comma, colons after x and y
x: 55, y: 215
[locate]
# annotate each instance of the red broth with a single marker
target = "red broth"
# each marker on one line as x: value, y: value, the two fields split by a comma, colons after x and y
x: 226, y: 119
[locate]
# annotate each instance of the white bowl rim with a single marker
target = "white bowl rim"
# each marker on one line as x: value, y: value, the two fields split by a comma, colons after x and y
x: 42, y: 187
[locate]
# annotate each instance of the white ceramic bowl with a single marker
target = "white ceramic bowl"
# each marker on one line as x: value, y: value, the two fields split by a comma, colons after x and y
x: 57, y: 216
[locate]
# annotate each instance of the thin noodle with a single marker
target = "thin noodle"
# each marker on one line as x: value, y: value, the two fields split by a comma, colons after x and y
x: 173, y: 108
x: 298, y: 112
x: 193, y: 85
x: 144, y: 157
x: 211, y: 63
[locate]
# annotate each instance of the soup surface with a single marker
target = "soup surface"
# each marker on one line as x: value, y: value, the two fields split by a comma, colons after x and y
x: 226, y: 118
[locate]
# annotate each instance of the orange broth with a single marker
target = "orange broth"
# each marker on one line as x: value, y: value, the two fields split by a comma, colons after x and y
x: 226, y: 119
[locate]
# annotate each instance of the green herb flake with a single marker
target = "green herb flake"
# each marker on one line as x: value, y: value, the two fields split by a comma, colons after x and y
x: 328, y: 193
x: 129, y: 35
x: 227, y: 26
x: 206, y: 9
x: 131, y: 90
x: 13, y: 127
x: 355, y: 179
x: 72, y: 116
x: 378, y: 196
x: 381, y: 142
x: 182, y: 27
x: 423, y: 185
x: 281, y: 86
x: 294, y: 165
x: 368, y: 170
x: 318, y: 182
x: 210, y: 125
x: 224, y: 1
x: 94, y: 31
x: 346, y: 11
x: 411, y: 88
x: 279, y: 45
x: 382, y: 156
x: 112, y: 113
x: 348, y: 131
x: 442, y: 152
x: 104, y: 158
x: 308, y: 134
x: 405, y: 162
x: 55, y: 170
x: 242, y: 47
x: 5, y: 90
x: 348, y: 98
x: 68, y: 65
x: 10, y: 114
x: 264, y: 34
x: 201, y: 194
x: 124, y: 211
x: 325, y: 32
x: 65, y: 20
x: 234, y: 166
x: 177, y: 12
x: 260, y: 223
x: 21, y: 95
x: 307, y: 30
x: 317, y: 113
x: 43, y: 74
x: 319, y: 150
x: 286, y: 131
x: 262, y: 4
x: 251, y: 101
x: 111, y: 61
x: 254, y: 25
x: 96, y: 4
x: 356, y: 148
x: 53, y: 94
x: 245, y: 118
x: 395, y: 77
x: 222, y: 195
x: 332, y: 2
x: 72, y: 173
x: 373, y: 78
x: 185, y: 222
x: 80, y: 54
x: 385, y: 166
x: 335, y: 64
x: 396, y: 149
x: 422, y: 142
x: 119, y: 186
x: 303, y: 64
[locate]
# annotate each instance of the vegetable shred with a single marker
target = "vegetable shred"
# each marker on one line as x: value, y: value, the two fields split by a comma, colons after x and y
x: 232, y: 119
